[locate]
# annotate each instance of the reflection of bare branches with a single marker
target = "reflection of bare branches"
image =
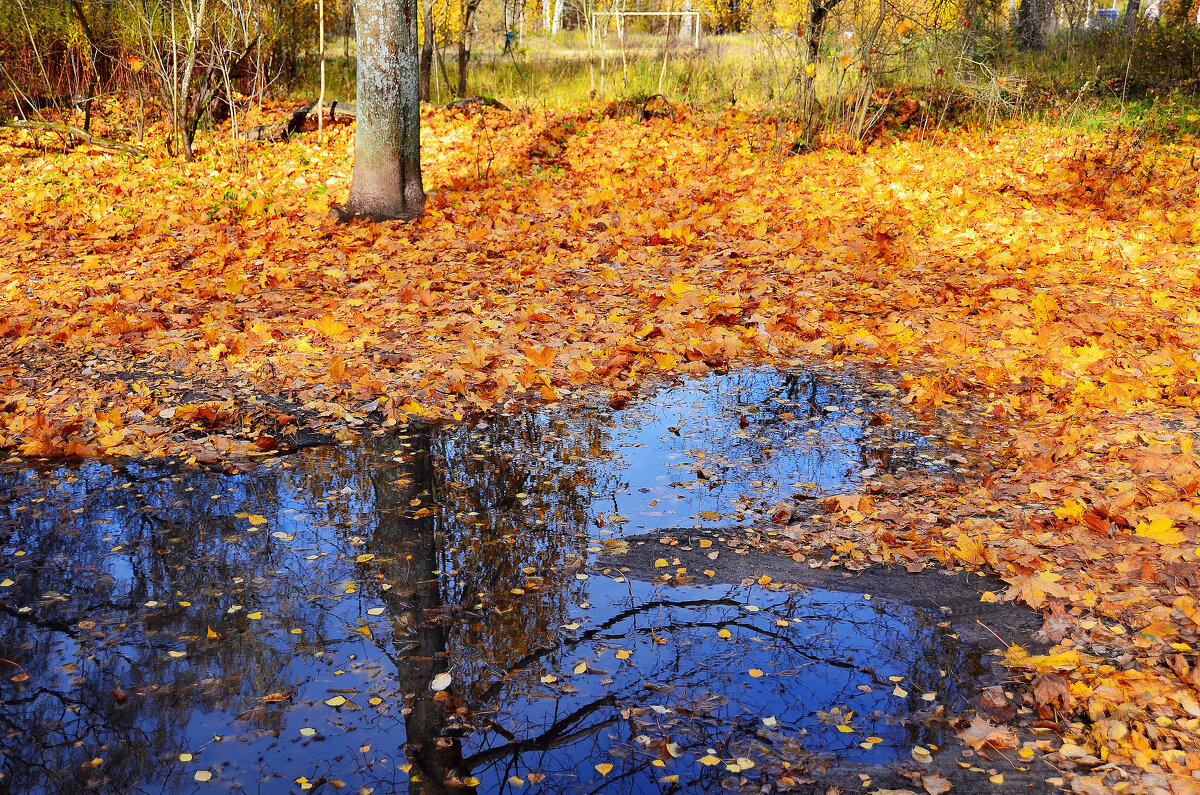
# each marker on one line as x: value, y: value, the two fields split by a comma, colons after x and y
x: 558, y: 734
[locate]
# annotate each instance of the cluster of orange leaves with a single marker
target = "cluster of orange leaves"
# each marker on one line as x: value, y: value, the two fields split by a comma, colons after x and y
x: 151, y: 307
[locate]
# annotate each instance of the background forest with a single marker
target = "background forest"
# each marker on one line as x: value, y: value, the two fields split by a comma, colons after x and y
x: 843, y: 67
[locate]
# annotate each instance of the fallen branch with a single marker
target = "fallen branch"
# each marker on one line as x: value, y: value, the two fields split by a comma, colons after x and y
x: 281, y: 132
x: 472, y: 104
x: 646, y: 113
x: 66, y: 129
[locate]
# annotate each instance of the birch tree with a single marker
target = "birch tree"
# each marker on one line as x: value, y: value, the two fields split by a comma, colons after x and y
x: 387, y: 144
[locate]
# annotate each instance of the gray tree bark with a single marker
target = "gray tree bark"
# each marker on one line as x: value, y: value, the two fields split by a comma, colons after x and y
x: 1131, y: 15
x: 387, y: 141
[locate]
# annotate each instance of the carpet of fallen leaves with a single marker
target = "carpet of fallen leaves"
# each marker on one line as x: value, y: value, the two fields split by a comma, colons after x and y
x: 1028, y: 281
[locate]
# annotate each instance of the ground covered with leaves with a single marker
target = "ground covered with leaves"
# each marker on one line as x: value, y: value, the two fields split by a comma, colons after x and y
x: 1036, y: 287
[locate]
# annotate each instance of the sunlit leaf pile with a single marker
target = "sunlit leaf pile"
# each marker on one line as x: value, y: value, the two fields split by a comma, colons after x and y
x: 1036, y: 291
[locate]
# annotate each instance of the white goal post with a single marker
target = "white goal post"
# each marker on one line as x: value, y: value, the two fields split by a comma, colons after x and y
x: 693, y: 16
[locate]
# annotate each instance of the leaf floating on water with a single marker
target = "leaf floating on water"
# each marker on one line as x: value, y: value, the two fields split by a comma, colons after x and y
x: 202, y: 775
x: 623, y: 654
x: 756, y: 672
x: 177, y: 654
x: 441, y: 682
x: 604, y: 768
x: 275, y: 698
x: 581, y: 668
x: 709, y: 760
x: 770, y: 721
x: 376, y: 611
x: 365, y: 557
x: 307, y: 731
x: 336, y: 701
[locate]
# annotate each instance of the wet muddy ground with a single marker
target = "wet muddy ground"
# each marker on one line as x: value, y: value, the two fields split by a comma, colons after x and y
x: 563, y: 600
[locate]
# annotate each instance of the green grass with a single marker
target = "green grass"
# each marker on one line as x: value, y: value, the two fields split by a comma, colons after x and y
x: 1092, y: 80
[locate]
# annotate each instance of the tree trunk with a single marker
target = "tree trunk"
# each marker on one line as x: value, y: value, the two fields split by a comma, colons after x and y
x: 464, y: 44
x: 1131, y: 15
x: 426, y: 48
x: 464, y: 58
x: 387, y: 142
x: 556, y: 20
x: 1033, y: 17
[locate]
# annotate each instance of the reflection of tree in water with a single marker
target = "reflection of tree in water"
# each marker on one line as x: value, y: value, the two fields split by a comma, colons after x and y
x: 101, y: 680
x: 476, y: 530
x: 465, y: 621
x: 700, y: 684
x: 477, y: 535
x: 101, y: 542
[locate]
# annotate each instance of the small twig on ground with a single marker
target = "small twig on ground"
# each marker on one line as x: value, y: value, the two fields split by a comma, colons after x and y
x: 66, y: 129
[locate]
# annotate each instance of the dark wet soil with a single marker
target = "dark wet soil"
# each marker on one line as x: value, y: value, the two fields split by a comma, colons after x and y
x: 954, y: 595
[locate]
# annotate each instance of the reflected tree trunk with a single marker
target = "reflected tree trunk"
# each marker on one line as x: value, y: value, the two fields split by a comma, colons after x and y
x: 416, y: 606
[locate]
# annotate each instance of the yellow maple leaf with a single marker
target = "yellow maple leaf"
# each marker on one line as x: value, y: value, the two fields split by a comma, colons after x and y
x: 1160, y: 529
x: 1084, y: 355
x: 327, y: 325
x: 970, y: 549
x: 679, y: 286
x: 1044, y: 307
x: 1032, y: 589
x: 1072, y: 510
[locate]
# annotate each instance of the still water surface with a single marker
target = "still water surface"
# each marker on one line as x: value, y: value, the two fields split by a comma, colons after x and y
x: 437, y: 610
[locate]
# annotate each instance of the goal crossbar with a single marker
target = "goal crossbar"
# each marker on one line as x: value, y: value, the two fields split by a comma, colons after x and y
x: 619, y: 15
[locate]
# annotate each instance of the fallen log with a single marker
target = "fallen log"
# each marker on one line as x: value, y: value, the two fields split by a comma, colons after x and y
x: 88, y: 138
x: 281, y: 132
x: 472, y: 104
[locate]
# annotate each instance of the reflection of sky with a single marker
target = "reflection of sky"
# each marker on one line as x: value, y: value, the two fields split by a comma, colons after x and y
x: 835, y: 655
x: 114, y: 537
x: 819, y: 449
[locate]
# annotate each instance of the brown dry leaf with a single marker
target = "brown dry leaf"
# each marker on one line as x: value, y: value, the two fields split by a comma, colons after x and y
x: 1052, y: 692
x: 936, y: 784
x: 981, y: 733
x: 848, y: 502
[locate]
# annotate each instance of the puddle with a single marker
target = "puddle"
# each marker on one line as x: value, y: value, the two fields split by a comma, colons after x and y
x: 428, y: 612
